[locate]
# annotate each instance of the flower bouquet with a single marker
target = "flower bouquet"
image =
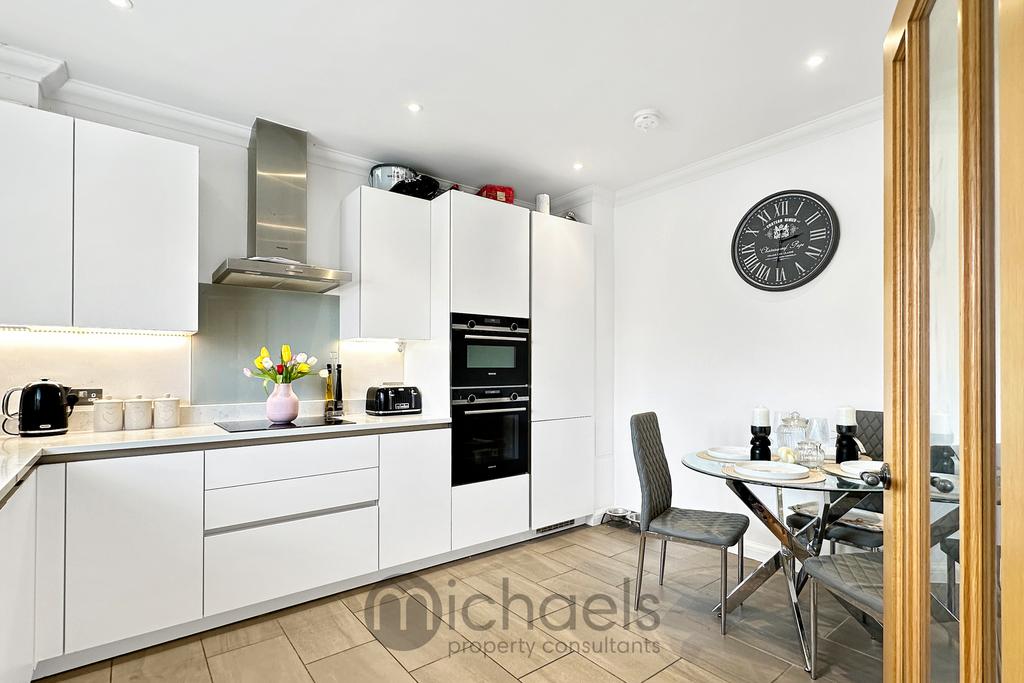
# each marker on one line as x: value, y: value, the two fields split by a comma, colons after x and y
x: 282, y: 403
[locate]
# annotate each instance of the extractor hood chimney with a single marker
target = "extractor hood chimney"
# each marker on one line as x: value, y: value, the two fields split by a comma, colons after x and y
x: 276, y: 248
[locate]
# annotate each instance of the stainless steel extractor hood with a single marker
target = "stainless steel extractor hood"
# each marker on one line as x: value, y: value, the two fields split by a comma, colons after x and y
x: 276, y: 249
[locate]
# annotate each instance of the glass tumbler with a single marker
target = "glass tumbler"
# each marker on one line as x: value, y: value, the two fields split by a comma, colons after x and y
x: 810, y: 454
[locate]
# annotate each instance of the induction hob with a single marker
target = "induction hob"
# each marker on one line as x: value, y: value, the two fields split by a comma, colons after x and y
x: 267, y: 425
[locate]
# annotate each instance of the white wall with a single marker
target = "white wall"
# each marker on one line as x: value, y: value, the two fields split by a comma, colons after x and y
x: 699, y: 346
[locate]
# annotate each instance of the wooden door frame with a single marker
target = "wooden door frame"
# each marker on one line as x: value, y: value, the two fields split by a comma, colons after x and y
x: 1011, y: 309
x: 907, y: 566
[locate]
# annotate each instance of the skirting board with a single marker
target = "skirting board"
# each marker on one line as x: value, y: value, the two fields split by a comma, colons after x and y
x: 74, y: 660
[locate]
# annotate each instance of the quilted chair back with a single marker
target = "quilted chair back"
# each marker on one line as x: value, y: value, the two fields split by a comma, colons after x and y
x: 651, y: 466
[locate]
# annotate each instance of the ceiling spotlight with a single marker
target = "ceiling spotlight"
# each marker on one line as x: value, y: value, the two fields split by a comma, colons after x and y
x: 646, y: 119
x: 122, y: 4
x: 578, y: 166
x: 414, y: 108
x: 814, y: 61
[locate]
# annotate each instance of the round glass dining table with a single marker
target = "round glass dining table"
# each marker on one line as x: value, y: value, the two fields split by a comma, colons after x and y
x: 840, y: 495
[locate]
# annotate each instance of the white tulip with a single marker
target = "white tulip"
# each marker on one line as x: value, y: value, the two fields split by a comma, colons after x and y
x: 312, y: 360
x: 301, y: 358
x: 267, y: 363
x: 247, y: 372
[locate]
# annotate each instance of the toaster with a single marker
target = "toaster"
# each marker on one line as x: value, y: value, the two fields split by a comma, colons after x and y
x: 393, y: 400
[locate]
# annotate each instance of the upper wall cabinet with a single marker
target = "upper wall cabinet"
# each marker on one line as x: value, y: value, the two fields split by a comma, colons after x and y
x: 36, y: 167
x: 136, y: 227
x: 562, y: 325
x: 490, y: 251
x: 385, y: 244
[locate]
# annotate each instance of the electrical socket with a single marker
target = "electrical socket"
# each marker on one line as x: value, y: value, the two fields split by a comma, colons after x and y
x: 87, y: 396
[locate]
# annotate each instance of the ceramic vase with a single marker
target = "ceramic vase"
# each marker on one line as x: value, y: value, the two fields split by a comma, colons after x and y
x: 282, y: 404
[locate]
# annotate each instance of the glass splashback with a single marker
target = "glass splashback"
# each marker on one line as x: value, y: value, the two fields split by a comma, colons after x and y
x: 235, y: 321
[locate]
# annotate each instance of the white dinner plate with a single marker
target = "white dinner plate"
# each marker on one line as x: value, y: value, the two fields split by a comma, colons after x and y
x: 859, y: 467
x: 765, y: 469
x: 730, y: 452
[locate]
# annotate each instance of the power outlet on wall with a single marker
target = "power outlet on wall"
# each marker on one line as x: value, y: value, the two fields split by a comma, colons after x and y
x: 87, y: 396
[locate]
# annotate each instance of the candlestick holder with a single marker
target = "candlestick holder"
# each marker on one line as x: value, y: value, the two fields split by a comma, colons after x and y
x: 760, y: 444
x: 847, y: 446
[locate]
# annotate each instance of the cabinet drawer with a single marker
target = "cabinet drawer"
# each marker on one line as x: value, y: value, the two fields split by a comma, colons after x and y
x: 270, y: 500
x: 272, y: 462
x: 254, y: 565
x: 489, y: 510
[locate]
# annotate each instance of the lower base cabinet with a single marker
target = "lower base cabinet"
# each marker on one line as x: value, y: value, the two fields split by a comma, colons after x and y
x: 415, y: 496
x: 562, y: 470
x: 489, y: 510
x: 134, y: 553
x: 254, y: 565
x: 17, y: 584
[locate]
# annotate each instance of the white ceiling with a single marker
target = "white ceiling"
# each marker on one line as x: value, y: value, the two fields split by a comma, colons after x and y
x: 512, y: 92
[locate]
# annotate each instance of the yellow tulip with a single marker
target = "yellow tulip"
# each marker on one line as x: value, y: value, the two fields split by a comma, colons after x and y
x: 286, y: 353
x: 303, y: 367
x: 258, y: 362
x: 264, y: 353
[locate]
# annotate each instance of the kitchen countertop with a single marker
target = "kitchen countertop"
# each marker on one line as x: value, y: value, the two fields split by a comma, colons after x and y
x: 18, y: 455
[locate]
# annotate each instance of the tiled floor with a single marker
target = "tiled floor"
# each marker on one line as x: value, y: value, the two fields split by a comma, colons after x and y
x: 554, y: 610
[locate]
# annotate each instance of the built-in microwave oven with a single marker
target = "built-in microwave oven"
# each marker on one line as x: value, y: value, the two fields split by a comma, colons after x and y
x: 490, y: 351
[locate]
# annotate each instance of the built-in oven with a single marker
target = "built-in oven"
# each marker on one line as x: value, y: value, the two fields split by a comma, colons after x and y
x: 490, y: 434
x: 490, y: 351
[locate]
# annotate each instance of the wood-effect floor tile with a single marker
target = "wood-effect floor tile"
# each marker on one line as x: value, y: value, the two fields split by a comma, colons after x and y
x: 272, y: 661
x: 93, y: 673
x: 514, y: 643
x: 600, y: 541
x: 180, y: 660
x: 614, y: 603
x: 685, y: 672
x: 602, y: 567
x: 359, y: 599
x: 524, y: 598
x: 322, y: 630
x: 467, y: 665
x: 366, y: 662
x: 551, y: 542
x: 622, y: 653
x: 414, y: 635
x: 239, y: 635
x: 441, y: 591
x: 572, y: 668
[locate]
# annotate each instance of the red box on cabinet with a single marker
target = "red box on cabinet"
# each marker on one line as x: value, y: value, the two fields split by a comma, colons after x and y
x: 501, y: 193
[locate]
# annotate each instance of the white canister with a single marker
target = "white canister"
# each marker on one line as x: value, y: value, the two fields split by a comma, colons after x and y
x: 107, y: 415
x: 543, y: 203
x: 138, y: 413
x: 166, y: 412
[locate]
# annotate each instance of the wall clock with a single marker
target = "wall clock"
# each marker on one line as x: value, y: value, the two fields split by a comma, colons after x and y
x: 785, y: 240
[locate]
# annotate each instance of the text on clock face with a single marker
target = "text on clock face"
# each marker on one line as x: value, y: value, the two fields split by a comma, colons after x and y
x: 785, y: 240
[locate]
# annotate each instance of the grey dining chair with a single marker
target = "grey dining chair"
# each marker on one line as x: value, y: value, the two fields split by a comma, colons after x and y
x: 661, y: 521
x: 853, y: 577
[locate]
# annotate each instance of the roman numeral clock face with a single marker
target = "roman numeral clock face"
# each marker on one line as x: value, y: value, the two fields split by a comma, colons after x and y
x: 785, y: 240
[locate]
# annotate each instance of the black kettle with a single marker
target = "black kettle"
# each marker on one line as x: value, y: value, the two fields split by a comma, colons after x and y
x: 43, y: 410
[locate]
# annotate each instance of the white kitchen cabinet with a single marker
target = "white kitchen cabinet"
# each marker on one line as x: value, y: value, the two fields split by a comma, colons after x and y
x: 415, y: 495
x: 288, y: 460
x: 561, y: 470
x: 50, y: 522
x: 17, y: 584
x: 562, y: 321
x: 36, y: 174
x: 385, y: 244
x: 489, y: 510
x: 261, y: 563
x: 134, y: 558
x: 490, y: 256
x: 136, y: 230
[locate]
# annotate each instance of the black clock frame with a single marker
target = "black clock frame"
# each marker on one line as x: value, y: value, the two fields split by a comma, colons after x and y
x: 826, y: 259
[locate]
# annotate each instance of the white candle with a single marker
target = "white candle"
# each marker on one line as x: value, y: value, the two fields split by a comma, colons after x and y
x: 846, y: 416
x: 760, y: 417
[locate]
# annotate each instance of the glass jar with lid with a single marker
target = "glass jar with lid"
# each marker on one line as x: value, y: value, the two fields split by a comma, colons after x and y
x: 792, y: 430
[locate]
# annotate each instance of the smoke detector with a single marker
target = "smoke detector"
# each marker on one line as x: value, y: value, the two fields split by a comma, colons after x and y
x: 646, y: 119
